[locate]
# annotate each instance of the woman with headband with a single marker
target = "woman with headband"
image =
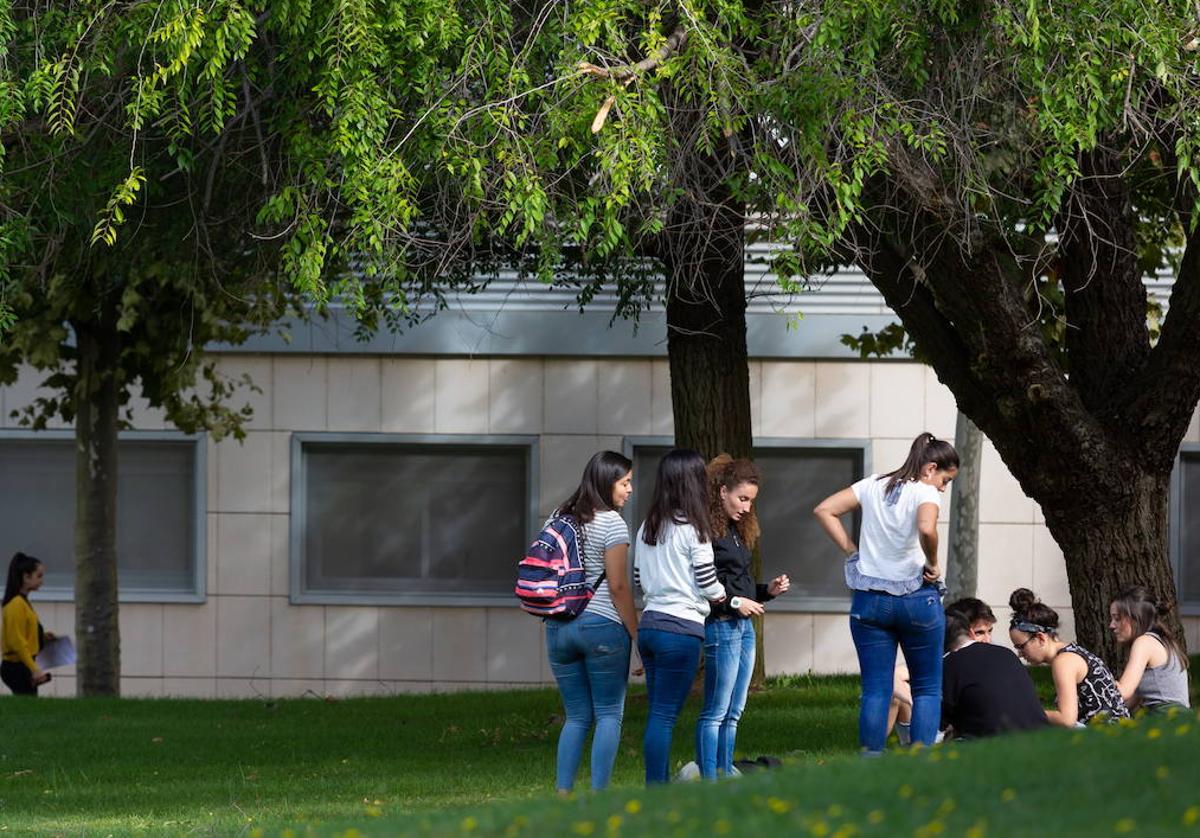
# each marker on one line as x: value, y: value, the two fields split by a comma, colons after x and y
x: 1084, y: 685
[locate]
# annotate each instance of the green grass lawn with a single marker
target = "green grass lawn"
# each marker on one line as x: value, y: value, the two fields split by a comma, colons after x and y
x: 481, y: 762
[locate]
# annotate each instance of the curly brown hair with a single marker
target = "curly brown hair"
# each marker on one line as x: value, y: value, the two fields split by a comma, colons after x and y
x: 725, y: 471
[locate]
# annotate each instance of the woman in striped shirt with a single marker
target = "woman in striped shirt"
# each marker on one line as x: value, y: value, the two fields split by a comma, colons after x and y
x: 673, y: 564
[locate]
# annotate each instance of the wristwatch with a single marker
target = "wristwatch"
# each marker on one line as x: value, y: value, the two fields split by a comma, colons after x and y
x: 735, y: 602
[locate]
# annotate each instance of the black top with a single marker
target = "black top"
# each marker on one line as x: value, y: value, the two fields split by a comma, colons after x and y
x: 986, y: 690
x: 732, y: 559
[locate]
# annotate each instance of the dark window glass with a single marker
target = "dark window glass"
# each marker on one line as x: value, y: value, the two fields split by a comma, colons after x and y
x: 400, y: 518
x: 1189, y: 529
x: 156, y: 511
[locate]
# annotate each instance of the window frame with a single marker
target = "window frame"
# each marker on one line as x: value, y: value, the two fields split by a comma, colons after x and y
x: 788, y: 603
x: 297, y: 520
x: 199, y: 591
x: 1187, y: 451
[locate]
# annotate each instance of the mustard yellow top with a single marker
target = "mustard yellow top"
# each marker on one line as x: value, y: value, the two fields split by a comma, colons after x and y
x: 20, y: 640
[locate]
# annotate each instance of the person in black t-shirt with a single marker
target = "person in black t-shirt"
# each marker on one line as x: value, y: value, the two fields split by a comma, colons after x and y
x: 985, y: 689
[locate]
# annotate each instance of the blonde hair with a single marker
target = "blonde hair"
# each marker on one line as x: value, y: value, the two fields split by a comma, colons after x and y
x: 726, y: 472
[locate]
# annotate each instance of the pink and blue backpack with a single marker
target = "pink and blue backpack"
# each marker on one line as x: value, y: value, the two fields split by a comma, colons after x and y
x: 551, y: 580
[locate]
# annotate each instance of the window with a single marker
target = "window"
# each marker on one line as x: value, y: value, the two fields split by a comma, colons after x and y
x: 1187, y: 512
x: 160, y: 492
x: 796, y: 476
x: 421, y: 520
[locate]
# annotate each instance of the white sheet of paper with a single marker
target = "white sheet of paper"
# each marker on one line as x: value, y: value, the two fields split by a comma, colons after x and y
x: 57, y: 652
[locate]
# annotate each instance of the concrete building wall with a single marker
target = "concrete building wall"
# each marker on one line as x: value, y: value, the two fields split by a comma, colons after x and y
x: 248, y: 639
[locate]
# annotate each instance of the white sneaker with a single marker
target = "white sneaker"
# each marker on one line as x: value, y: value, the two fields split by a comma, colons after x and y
x: 689, y: 772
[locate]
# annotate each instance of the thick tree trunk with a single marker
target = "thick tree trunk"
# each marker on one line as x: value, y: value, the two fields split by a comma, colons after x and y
x: 703, y: 253
x: 96, y: 419
x: 1113, y: 537
x: 962, y: 565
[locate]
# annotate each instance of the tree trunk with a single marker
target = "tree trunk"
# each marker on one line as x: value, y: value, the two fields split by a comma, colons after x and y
x: 962, y: 560
x: 1114, y: 537
x: 96, y: 418
x: 704, y: 257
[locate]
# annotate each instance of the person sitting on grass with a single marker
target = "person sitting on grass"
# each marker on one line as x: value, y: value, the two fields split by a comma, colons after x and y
x: 981, y: 621
x: 1085, y: 687
x: 985, y: 689
x: 1155, y: 675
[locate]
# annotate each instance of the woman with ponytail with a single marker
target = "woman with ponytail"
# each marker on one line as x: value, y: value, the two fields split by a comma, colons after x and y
x: 23, y: 634
x: 729, y: 637
x: 1155, y: 675
x: 1085, y: 688
x: 893, y: 572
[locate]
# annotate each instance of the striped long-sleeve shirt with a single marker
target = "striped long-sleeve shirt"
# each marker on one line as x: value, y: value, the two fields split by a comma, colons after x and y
x: 677, y: 576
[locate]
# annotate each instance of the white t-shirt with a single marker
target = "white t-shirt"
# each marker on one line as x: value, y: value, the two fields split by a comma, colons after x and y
x: 888, y: 543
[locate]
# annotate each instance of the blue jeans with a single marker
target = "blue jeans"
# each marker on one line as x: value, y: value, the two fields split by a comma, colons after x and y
x: 879, y: 621
x: 590, y: 660
x: 671, y: 661
x: 728, y: 665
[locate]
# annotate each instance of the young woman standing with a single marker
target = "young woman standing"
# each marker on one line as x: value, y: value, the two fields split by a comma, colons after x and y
x: 1085, y: 688
x: 729, y: 638
x: 892, y: 574
x: 589, y: 655
x: 23, y: 633
x: 1155, y: 675
x: 673, y: 563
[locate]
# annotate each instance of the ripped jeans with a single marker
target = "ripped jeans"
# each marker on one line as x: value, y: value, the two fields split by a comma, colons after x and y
x: 590, y: 660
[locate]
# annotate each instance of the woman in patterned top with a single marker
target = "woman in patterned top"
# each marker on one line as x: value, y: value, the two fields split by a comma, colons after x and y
x: 1084, y: 684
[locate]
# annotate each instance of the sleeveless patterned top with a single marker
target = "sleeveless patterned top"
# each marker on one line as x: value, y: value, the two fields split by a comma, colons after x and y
x: 1098, y: 691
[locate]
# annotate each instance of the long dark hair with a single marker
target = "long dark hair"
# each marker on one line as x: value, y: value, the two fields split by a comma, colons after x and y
x: 680, y: 496
x: 1031, y: 615
x: 926, y: 448
x: 725, y: 471
x: 17, y: 570
x: 594, y: 493
x: 1146, y: 614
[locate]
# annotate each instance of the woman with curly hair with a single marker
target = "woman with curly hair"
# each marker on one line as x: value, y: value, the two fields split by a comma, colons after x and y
x: 729, y: 638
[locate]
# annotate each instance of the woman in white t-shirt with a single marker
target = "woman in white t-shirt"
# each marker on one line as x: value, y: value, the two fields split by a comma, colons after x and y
x: 893, y: 572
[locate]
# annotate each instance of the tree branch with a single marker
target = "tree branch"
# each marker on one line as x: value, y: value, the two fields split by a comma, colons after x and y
x: 675, y: 42
x: 1161, y: 400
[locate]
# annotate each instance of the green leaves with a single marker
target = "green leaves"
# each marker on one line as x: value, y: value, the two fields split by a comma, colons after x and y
x: 113, y: 214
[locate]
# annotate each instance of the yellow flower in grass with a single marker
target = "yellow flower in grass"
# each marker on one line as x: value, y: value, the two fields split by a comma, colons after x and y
x: 722, y: 826
x: 1124, y: 825
x: 633, y: 807
x: 977, y: 830
x: 846, y: 830
x: 875, y: 817
x: 1008, y: 795
x: 614, y: 823
x: 819, y: 829
x: 583, y: 827
x: 905, y: 791
x: 1182, y: 729
x: 1162, y: 772
x: 1154, y: 733
x: 1191, y: 816
x: 374, y: 811
x: 834, y: 811
x: 777, y: 805
x: 947, y: 806
x: 930, y: 829
x: 469, y: 823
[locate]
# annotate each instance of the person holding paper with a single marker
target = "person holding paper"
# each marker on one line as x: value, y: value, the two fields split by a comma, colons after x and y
x: 23, y: 634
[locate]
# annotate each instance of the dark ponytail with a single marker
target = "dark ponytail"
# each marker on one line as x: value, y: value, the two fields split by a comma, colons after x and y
x: 1147, y: 614
x: 926, y: 448
x: 18, y: 568
x: 1031, y: 615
